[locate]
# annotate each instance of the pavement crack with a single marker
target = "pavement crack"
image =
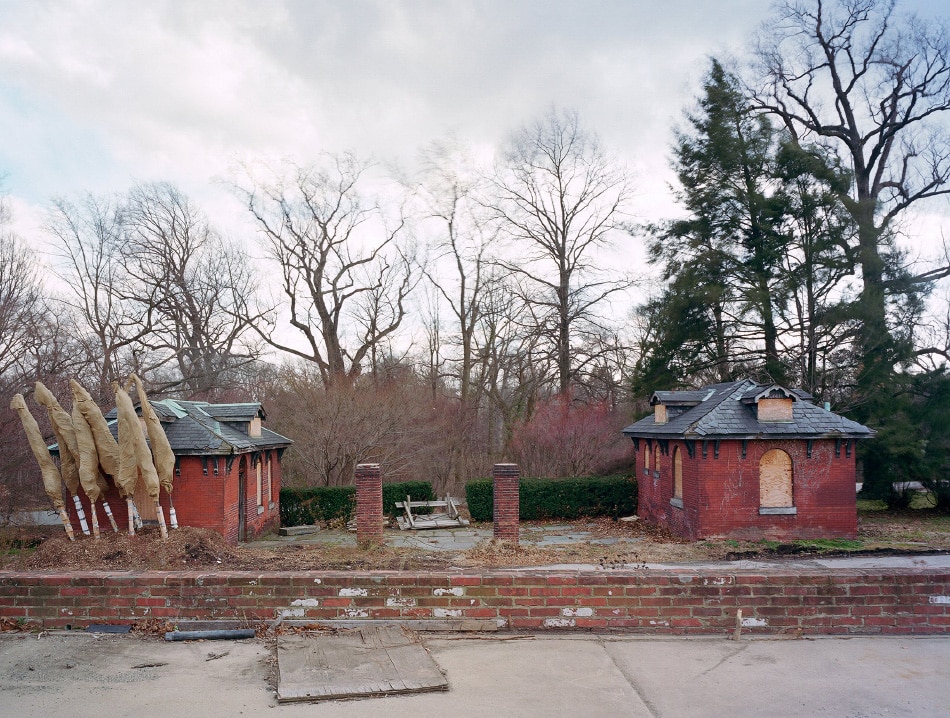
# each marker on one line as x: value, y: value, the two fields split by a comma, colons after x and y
x: 725, y: 658
x: 632, y: 682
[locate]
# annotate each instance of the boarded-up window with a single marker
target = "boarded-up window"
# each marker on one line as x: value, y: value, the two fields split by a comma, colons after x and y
x: 656, y: 459
x: 775, y: 479
x: 775, y: 410
x: 270, y: 480
x: 260, y: 477
x: 677, y: 473
x: 646, y: 458
x: 143, y: 502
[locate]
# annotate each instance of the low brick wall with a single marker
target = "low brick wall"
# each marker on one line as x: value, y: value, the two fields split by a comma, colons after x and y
x: 648, y: 601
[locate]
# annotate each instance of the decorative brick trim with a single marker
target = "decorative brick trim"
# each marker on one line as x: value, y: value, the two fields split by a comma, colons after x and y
x: 810, y: 602
x: 505, y: 480
x: 369, y: 504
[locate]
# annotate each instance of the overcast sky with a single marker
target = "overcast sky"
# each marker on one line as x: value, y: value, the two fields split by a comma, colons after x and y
x: 98, y: 94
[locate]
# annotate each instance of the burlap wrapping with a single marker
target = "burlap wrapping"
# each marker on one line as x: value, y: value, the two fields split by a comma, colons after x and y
x: 65, y: 435
x: 52, y: 481
x: 132, y: 439
x: 106, y: 445
x: 128, y: 474
x: 88, y: 455
x: 161, y: 449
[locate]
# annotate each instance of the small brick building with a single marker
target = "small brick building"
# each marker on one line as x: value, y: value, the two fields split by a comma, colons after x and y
x: 746, y: 460
x: 227, y: 469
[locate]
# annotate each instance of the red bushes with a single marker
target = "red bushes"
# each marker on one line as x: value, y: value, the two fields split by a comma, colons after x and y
x: 565, y: 438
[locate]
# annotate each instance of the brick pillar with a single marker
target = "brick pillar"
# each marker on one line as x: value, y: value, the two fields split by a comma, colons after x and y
x: 505, y: 482
x: 369, y: 504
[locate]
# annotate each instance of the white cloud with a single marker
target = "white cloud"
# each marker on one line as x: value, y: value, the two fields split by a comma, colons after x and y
x: 102, y: 93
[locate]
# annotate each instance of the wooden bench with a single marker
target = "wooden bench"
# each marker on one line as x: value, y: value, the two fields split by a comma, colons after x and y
x: 448, y: 519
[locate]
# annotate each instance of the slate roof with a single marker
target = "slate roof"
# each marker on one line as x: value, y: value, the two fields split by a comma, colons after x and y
x: 200, y: 428
x: 723, y: 415
x: 235, y: 412
x: 678, y: 398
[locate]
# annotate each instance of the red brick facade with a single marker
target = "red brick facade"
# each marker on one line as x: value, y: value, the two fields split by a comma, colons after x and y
x: 206, y: 491
x: 846, y: 601
x: 720, y: 489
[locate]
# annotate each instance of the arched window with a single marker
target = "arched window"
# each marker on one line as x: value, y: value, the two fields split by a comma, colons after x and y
x: 270, y: 477
x: 775, y: 482
x: 646, y: 459
x: 677, y: 473
x: 656, y: 459
x: 259, y: 468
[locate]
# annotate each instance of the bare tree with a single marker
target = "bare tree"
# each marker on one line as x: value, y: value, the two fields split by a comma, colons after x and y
x: 448, y: 189
x: 31, y: 344
x: 193, y: 284
x: 88, y: 237
x: 558, y: 196
x: 340, y: 261
x: 21, y: 302
x: 514, y: 364
x: 872, y: 86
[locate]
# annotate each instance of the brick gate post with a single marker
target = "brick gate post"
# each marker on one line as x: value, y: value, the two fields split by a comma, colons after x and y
x: 369, y: 504
x: 505, y: 479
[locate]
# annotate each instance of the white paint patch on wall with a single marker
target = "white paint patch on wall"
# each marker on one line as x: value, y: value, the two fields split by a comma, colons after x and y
x: 754, y: 623
x: 457, y: 591
x: 400, y: 602
x: 577, y: 611
x: 352, y: 592
x: 305, y: 602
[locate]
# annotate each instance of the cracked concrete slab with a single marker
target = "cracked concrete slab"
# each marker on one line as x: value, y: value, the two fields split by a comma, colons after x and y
x: 505, y: 674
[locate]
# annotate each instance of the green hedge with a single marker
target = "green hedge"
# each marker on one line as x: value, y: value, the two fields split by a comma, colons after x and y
x: 559, y: 498
x: 301, y: 507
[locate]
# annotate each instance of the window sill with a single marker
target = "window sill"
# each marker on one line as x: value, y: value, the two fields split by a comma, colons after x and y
x: 646, y: 472
x: 656, y: 474
x: 678, y: 503
x: 260, y: 510
x: 272, y: 505
x: 777, y: 511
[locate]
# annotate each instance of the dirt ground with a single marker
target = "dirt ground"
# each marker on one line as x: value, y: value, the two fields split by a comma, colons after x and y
x: 48, y: 549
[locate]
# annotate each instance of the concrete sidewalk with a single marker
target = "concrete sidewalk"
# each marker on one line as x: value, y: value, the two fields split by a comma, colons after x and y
x: 511, y: 675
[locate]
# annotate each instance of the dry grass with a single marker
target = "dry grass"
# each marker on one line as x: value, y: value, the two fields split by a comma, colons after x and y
x: 191, y: 548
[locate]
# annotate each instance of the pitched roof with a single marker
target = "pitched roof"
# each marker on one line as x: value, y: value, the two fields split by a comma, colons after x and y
x: 723, y: 414
x: 197, y: 427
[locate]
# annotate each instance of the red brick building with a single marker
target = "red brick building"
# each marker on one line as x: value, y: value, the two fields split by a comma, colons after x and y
x: 746, y: 460
x: 227, y: 469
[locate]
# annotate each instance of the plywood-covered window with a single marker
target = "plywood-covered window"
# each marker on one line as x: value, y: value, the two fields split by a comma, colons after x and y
x: 270, y: 479
x: 260, y: 479
x: 656, y: 459
x: 776, y: 482
x: 646, y: 459
x: 677, y: 473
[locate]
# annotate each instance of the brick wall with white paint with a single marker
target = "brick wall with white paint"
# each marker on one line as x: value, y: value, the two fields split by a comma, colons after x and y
x: 899, y: 601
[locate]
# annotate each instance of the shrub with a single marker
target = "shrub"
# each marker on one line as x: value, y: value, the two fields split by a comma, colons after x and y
x: 299, y: 507
x: 417, y: 490
x: 559, y: 498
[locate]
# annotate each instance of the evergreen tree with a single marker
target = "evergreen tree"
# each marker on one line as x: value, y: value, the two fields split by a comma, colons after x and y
x: 726, y: 253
